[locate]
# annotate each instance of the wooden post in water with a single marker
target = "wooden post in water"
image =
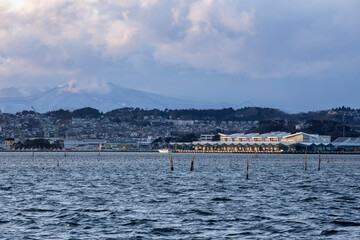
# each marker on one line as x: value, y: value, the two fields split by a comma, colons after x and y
x: 65, y: 153
x: 305, y: 167
x: 192, y: 164
x: 247, y: 168
x: 319, y: 161
x: 58, y: 164
x: 171, y: 162
x: 100, y: 148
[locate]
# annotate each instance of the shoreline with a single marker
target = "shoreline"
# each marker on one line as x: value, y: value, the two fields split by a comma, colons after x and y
x: 156, y: 151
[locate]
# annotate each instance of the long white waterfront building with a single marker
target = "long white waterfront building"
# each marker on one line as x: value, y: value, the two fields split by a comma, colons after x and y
x: 274, y: 137
x: 273, y: 142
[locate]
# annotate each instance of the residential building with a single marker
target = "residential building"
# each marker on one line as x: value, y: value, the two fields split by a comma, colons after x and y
x: 206, y: 137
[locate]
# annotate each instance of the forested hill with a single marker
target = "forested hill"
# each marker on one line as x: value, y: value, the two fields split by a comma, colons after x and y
x: 348, y: 115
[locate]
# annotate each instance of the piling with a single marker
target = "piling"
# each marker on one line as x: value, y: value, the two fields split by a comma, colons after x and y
x: 305, y: 167
x: 192, y: 164
x: 319, y: 162
x: 65, y: 153
x: 247, y: 168
x: 58, y: 164
x: 171, y: 162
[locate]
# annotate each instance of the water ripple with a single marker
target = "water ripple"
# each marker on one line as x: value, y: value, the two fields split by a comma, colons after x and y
x: 136, y: 196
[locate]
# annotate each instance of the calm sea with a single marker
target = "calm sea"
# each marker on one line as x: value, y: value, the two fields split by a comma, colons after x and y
x: 136, y: 196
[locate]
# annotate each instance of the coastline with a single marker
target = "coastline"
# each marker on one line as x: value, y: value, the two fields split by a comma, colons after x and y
x: 197, y: 152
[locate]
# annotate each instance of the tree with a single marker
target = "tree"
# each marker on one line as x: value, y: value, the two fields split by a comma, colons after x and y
x: 216, y: 137
x: 60, y: 114
x: 39, y: 143
x: 188, y: 138
x: 87, y: 112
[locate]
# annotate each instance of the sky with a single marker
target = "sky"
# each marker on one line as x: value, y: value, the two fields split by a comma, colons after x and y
x: 288, y: 54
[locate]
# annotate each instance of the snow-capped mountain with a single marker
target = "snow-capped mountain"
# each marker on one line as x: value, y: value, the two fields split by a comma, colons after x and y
x: 65, y: 97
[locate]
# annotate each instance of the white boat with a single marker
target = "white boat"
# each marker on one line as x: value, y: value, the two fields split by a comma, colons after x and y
x: 164, y: 150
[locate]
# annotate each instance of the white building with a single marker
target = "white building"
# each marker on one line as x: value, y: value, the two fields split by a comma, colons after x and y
x: 206, y: 137
x: 274, y: 137
x: 183, y: 122
x: 301, y: 137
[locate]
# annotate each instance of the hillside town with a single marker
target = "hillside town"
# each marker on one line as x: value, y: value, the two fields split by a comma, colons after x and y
x: 130, y: 129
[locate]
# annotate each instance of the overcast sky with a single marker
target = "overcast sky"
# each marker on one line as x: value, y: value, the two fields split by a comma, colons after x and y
x: 294, y: 55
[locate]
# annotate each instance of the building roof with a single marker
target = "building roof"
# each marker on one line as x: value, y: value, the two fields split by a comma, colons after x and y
x: 274, y: 134
x: 235, y: 135
x: 347, y: 141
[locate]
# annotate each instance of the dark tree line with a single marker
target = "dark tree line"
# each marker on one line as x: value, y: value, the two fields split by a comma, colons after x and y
x: 39, y: 143
x: 352, y: 116
x: 273, y: 126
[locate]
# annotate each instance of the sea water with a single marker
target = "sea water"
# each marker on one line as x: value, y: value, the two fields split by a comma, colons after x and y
x: 136, y: 196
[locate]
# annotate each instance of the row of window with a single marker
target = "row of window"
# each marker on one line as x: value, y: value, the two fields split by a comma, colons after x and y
x: 249, y: 140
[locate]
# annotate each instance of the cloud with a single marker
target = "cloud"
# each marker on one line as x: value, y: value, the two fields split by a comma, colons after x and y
x: 281, y: 39
x: 130, y: 3
x: 214, y: 38
x: 121, y: 38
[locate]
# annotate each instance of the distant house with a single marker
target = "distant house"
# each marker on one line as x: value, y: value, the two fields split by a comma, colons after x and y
x: 182, y: 122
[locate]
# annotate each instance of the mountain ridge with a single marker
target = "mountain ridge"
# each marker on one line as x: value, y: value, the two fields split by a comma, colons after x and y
x: 69, y: 98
